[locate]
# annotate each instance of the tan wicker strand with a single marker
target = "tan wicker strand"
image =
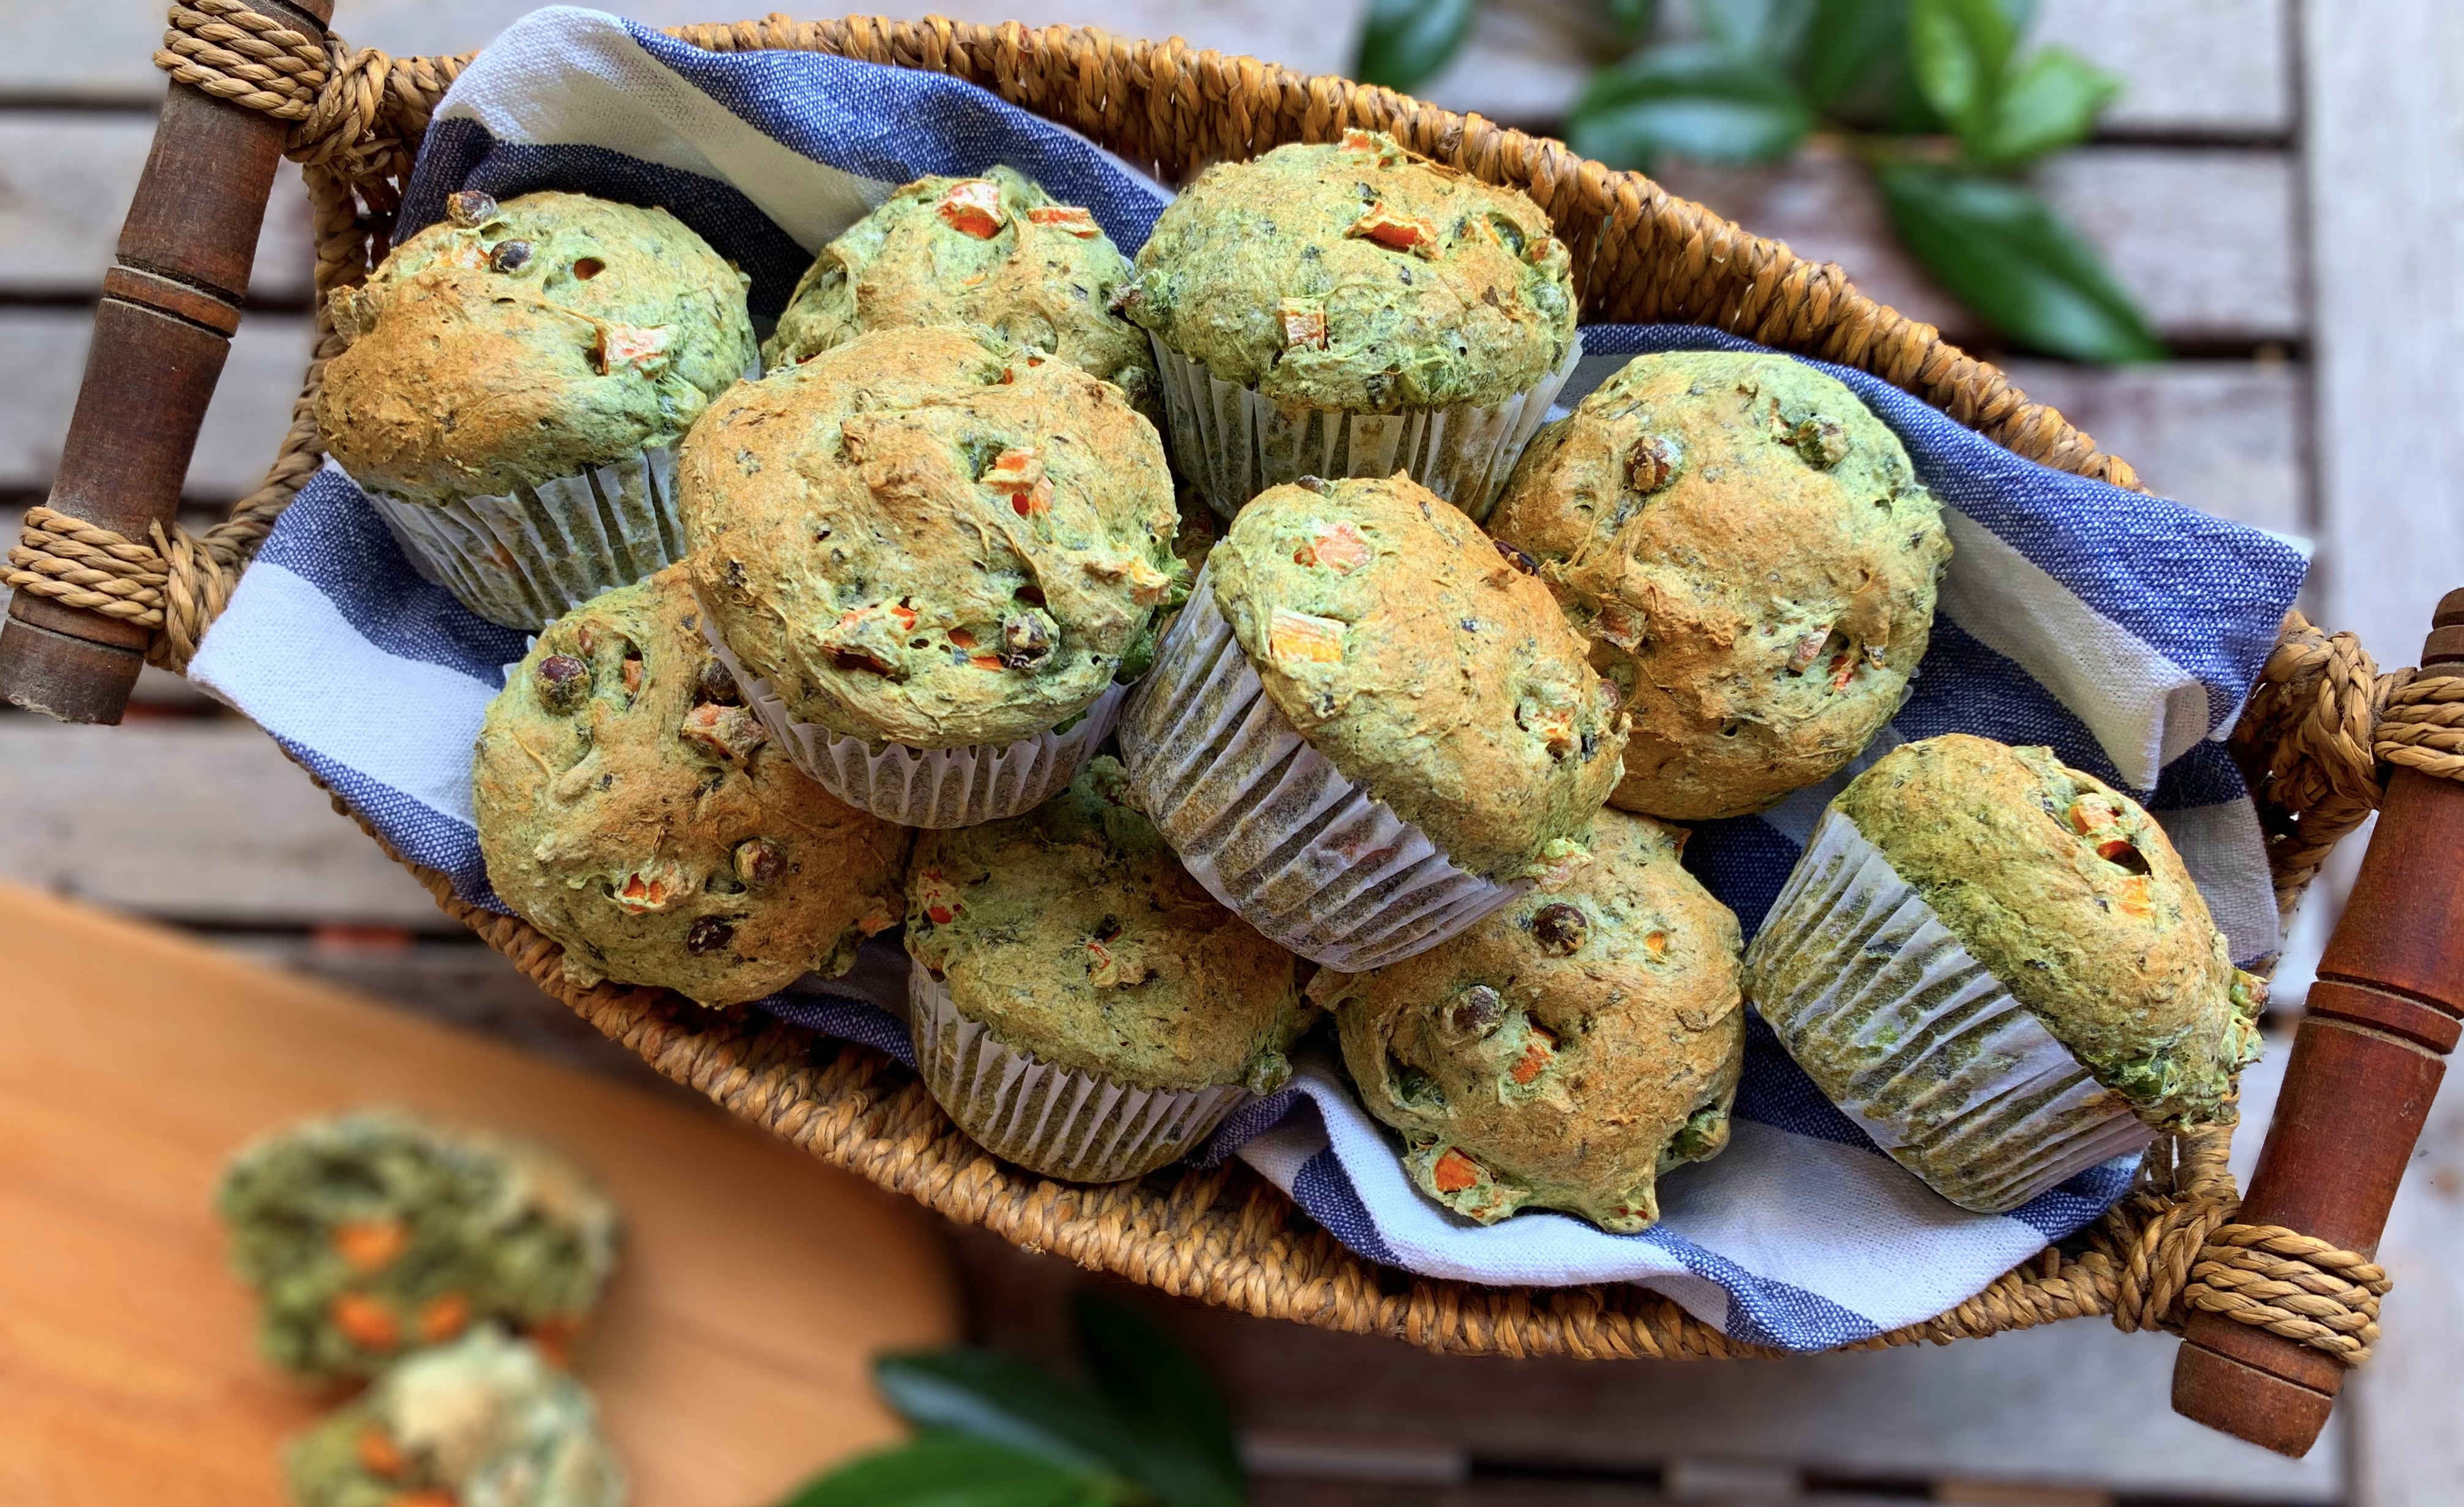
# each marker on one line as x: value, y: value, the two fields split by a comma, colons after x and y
x: 1224, y: 1236
x: 2291, y: 1285
x: 2422, y: 726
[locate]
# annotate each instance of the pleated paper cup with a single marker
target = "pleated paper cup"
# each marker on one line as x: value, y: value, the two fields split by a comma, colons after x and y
x: 1232, y: 442
x: 1063, y: 1123
x: 927, y: 786
x: 1901, y: 1028
x: 1269, y: 825
x: 526, y: 558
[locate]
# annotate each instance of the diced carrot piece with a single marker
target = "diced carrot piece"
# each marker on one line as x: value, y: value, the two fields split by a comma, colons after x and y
x: 1067, y: 217
x: 2114, y: 847
x: 365, y: 1321
x: 1035, y: 502
x: 370, y: 1245
x: 986, y: 661
x: 906, y: 616
x: 630, y: 345
x: 1808, y: 649
x: 1298, y: 636
x: 1455, y: 1172
x: 961, y: 638
x: 939, y: 915
x: 1340, y: 549
x: 1356, y: 140
x: 1656, y: 944
x: 377, y: 1454
x: 1304, y: 324
x: 1536, y: 1053
x: 1403, y: 232
x: 1019, y: 469
x: 443, y: 1316
x: 632, y: 678
x: 974, y: 208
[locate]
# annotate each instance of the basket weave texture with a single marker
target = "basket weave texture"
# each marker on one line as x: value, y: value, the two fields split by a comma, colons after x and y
x: 2315, y: 738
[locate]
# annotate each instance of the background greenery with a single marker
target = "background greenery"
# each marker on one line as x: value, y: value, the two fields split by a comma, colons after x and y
x: 1938, y: 99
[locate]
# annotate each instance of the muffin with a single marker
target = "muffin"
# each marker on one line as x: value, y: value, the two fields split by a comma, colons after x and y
x: 485, y: 1420
x: 1567, y: 1049
x: 1080, y: 1006
x: 993, y: 255
x: 1350, y: 309
x: 1754, y: 560
x: 1369, y: 725
x: 516, y: 379
x: 634, y: 809
x: 930, y: 561
x: 376, y: 1231
x: 2001, y: 968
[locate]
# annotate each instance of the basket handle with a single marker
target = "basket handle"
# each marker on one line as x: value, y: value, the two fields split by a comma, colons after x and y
x: 170, y: 304
x: 2387, y: 1007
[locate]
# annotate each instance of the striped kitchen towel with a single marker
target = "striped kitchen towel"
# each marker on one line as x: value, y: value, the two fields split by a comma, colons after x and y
x: 2124, y: 630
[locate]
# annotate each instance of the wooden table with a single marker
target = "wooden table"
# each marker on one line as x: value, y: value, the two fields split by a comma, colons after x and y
x: 731, y: 1354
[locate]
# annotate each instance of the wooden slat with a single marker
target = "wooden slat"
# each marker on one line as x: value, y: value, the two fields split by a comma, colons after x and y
x: 65, y: 182
x: 200, y: 821
x: 102, y: 49
x: 729, y: 1358
x: 2203, y: 237
x: 2229, y: 438
x: 43, y: 351
x: 2204, y: 68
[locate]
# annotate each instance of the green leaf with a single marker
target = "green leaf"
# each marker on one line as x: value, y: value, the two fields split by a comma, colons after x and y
x: 1770, y: 30
x: 2006, y: 255
x: 1634, y: 17
x: 1691, y: 100
x: 1960, y: 50
x: 991, y: 1397
x: 1180, y: 1435
x: 1849, y: 45
x: 940, y: 1470
x: 1407, y: 41
x: 2053, y: 102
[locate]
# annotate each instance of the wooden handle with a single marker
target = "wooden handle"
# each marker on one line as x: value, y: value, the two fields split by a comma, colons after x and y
x: 170, y: 304
x: 2387, y: 1007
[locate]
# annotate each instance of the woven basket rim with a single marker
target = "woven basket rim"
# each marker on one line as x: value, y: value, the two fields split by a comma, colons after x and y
x: 1224, y: 1236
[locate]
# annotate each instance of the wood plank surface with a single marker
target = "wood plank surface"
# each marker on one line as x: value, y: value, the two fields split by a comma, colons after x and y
x: 43, y: 351
x: 729, y: 1356
x: 65, y: 181
x: 2229, y: 438
x: 2203, y: 236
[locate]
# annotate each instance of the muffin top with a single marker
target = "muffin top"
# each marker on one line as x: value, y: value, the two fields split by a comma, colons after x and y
x: 375, y: 1232
x: 2072, y: 897
x: 993, y: 255
x: 632, y: 808
x: 515, y: 343
x: 486, y: 1419
x: 1428, y: 666
x: 1358, y: 275
x: 1072, y: 933
x: 1565, y: 1051
x: 915, y: 540
x: 1751, y: 554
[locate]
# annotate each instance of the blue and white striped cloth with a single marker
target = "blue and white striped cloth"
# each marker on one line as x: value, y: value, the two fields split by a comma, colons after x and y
x: 2122, y: 630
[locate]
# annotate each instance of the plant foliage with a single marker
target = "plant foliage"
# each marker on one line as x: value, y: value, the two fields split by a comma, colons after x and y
x: 1940, y: 99
x: 1143, y: 1429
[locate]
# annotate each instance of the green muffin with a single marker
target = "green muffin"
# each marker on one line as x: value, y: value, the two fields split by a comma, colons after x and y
x: 485, y: 1422
x: 1068, y: 947
x: 994, y: 255
x: 514, y: 379
x: 1434, y: 672
x: 634, y: 809
x: 515, y: 341
x: 1751, y: 555
x: 1353, y: 278
x: 1358, y: 275
x: 1565, y: 1051
x: 2081, y: 932
x: 376, y: 1231
x: 915, y: 540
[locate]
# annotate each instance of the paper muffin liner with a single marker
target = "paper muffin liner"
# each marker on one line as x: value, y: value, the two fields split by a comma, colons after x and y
x: 1233, y: 442
x: 927, y: 786
x: 524, y: 559
x: 1269, y: 825
x: 1047, y: 1119
x: 1901, y: 1028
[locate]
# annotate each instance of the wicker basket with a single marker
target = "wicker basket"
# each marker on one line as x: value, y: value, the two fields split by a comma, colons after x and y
x: 2317, y: 738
